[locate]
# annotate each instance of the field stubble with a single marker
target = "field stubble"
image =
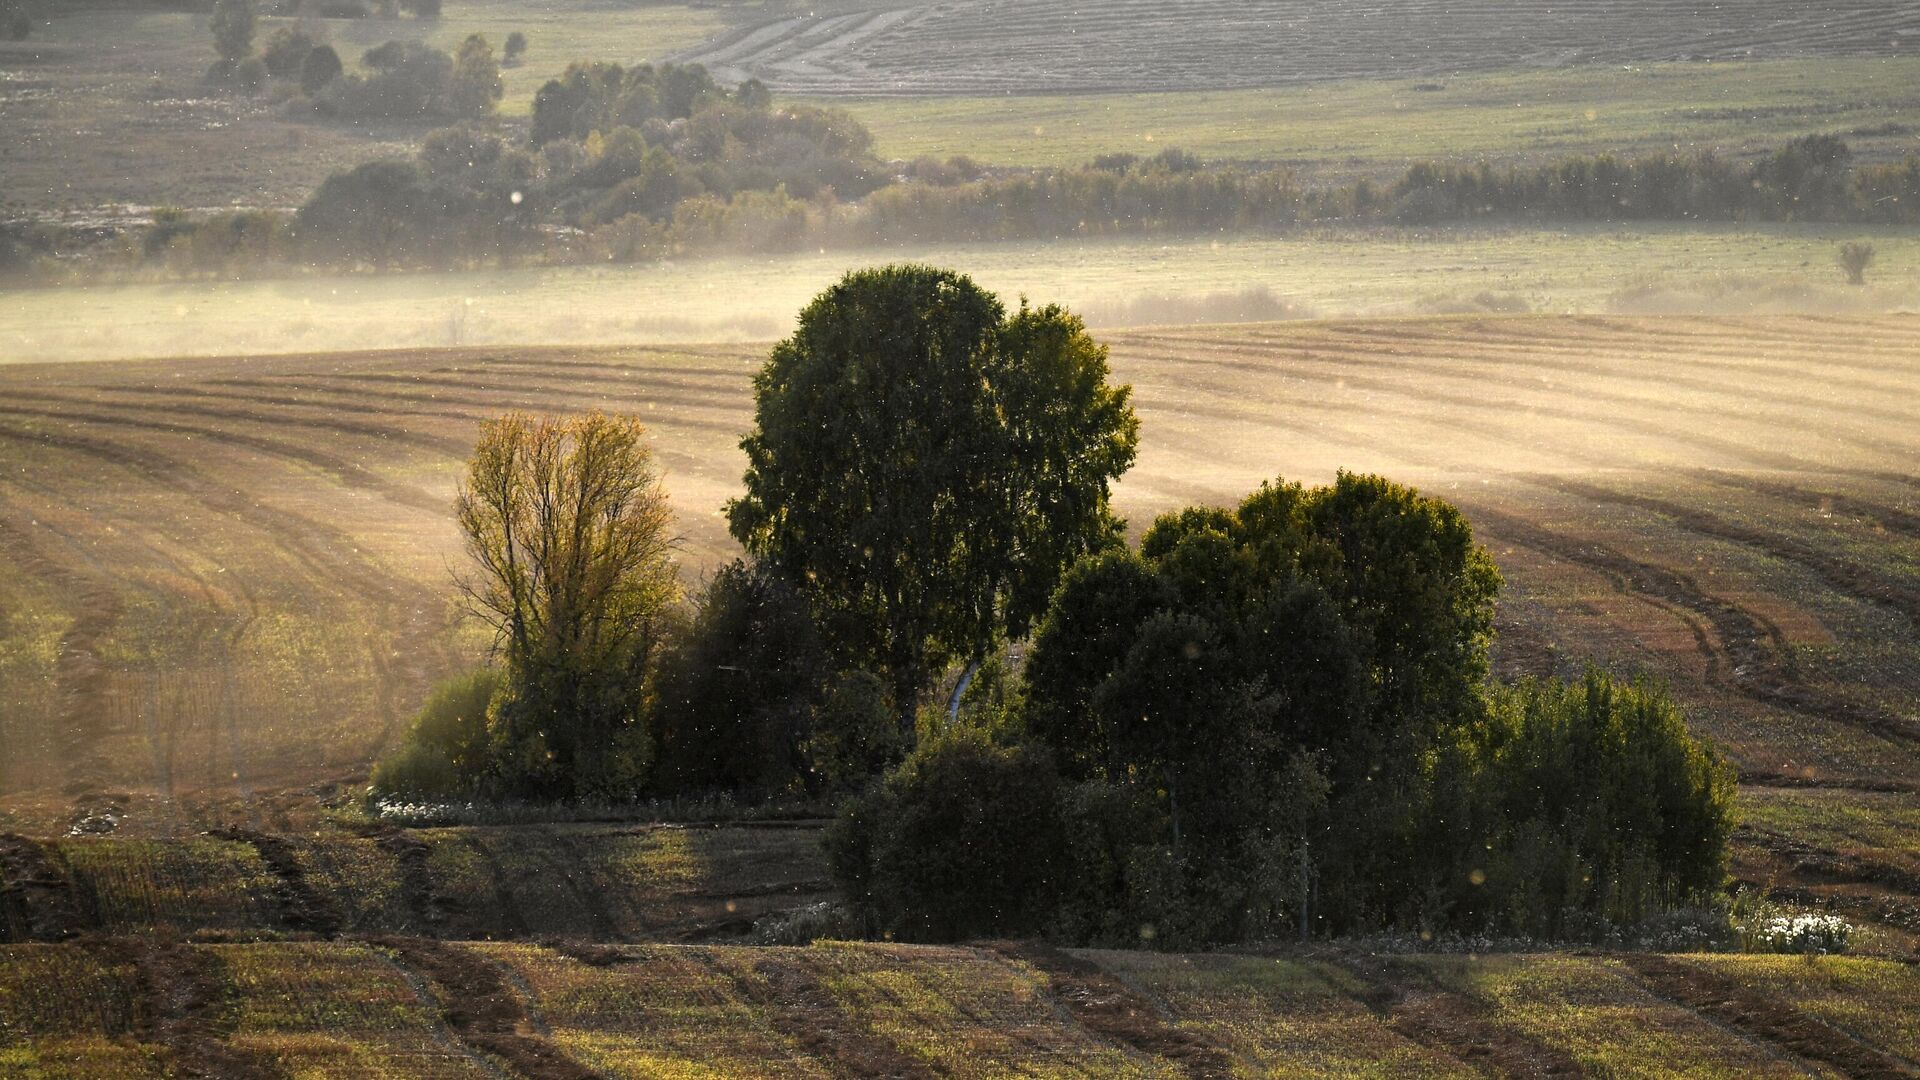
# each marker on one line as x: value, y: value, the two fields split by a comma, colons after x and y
x: 228, y: 574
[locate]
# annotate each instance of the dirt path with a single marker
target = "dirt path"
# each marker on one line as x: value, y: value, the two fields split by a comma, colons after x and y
x: 1768, y: 1020
x: 186, y: 1007
x: 302, y: 907
x: 80, y: 673
x: 483, y: 1010
x: 785, y: 986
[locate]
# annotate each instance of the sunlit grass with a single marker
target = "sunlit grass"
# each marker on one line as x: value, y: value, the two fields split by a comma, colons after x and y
x: 1592, y: 1009
x: 1877, y: 1000
x: 1288, y: 1017
x: 144, y: 886
x: 1365, y: 125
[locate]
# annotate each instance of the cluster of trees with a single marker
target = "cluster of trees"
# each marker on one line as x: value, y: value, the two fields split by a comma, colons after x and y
x: 413, y: 81
x: 397, y: 80
x: 1277, y: 719
x: 1813, y: 178
x: 643, y: 160
x: 1265, y: 719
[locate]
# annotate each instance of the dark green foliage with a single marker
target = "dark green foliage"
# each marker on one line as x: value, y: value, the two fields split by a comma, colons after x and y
x: 929, y: 466
x: 446, y: 753
x: 961, y: 841
x: 473, y: 87
x: 735, y: 693
x: 249, y: 74
x: 380, y: 213
x: 514, y: 49
x: 455, y: 204
x: 1591, y: 797
x: 592, y: 97
x: 1287, y: 704
x: 405, y: 81
x: 232, y: 25
x: 320, y: 68
x: 855, y: 736
x: 287, y: 50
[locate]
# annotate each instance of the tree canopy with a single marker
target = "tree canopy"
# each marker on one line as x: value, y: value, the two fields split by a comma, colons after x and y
x: 567, y: 525
x: 928, y: 466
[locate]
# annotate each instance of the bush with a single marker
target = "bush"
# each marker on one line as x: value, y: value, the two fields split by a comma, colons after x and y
x: 855, y: 734
x: 515, y: 49
x: 735, y: 692
x: 1854, y: 257
x: 446, y: 751
x: 321, y: 67
x: 961, y: 841
x: 1595, y: 799
x: 250, y: 74
x: 417, y: 772
x: 287, y: 50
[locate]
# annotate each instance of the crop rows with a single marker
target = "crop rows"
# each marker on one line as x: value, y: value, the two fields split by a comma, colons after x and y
x: 392, y: 1007
x: 579, y: 882
x: 226, y: 574
x: 980, y: 47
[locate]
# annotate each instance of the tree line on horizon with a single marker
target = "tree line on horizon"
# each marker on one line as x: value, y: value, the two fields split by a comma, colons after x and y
x: 1261, y: 720
x: 645, y: 163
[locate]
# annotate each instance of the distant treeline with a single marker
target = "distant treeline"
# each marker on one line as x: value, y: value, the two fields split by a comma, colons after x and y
x: 644, y: 163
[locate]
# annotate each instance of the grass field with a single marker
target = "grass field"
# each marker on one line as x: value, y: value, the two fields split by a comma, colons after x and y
x: 1113, y: 282
x: 1061, y: 46
x: 230, y: 574
x: 105, y: 106
x: 1374, y: 127
x: 389, y: 1007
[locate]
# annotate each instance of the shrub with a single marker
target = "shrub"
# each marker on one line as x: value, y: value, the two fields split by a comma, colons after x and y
x: 1854, y: 257
x: 287, y: 50
x: 735, y: 692
x: 417, y: 772
x: 1595, y: 799
x: 232, y: 25
x: 446, y: 750
x: 855, y: 736
x: 250, y: 74
x: 515, y: 49
x: 321, y: 67
x: 961, y: 841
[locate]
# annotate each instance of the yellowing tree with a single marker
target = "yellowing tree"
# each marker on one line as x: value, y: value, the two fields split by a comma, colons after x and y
x: 568, y: 526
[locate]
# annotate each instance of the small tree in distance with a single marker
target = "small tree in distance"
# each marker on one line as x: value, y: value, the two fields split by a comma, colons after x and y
x: 568, y: 527
x: 1854, y: 257
x: 474, y: 87
x: 515, y: 49
x: 928, y: 467
x: 233, y: 26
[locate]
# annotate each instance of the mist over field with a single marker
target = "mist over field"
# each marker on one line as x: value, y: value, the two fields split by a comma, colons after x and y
x: 552, y: 539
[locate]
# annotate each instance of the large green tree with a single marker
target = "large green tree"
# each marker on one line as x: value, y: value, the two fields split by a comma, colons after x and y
x: 929, y: 466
